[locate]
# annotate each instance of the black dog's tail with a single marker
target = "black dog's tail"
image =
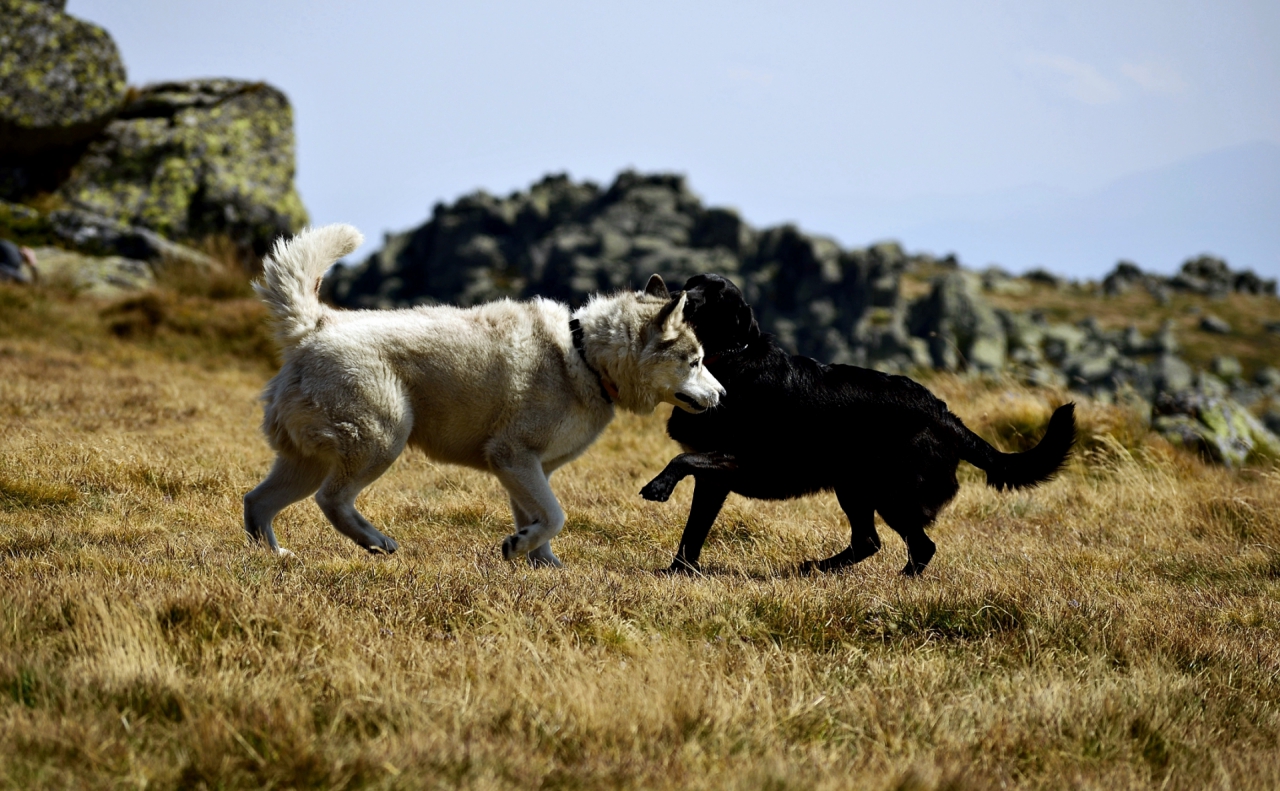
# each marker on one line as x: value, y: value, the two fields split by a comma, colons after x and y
x: 1031, y: 467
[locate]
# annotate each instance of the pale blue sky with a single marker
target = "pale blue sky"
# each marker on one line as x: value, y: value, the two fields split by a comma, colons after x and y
x: 943, y: 124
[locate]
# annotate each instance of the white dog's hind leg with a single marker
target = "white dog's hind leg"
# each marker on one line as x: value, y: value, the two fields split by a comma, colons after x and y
x: 527, y: 484
x: 337, y: 496
x: 290, y: 480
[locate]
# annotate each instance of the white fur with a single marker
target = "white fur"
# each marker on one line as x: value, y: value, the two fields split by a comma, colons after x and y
x: 499, y: 387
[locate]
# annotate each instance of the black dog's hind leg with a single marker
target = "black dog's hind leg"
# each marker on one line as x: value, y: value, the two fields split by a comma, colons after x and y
x: 664, y: 483
x: 920, y: 547
x: 709, y: 493
x: 863, y: 539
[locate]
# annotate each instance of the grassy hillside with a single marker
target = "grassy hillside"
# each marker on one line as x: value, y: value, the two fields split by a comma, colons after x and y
x: 1117, y: 628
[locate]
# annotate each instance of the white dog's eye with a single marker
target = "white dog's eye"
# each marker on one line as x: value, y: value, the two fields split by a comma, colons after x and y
x: 694, y: 362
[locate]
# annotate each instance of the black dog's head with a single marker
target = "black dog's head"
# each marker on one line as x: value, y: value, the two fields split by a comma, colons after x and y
x: 720, y: 316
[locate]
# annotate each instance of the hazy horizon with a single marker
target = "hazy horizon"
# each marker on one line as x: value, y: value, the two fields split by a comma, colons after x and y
x: 1067, y: 137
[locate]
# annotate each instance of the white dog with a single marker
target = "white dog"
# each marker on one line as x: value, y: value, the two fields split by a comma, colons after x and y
x: 516, y: 388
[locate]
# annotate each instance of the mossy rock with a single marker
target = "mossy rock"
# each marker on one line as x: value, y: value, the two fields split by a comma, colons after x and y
x: 195, y: 159
x: 61, y: 79
x: 1219, y: 428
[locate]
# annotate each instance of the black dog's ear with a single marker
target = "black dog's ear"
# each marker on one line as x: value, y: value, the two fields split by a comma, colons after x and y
x: 656, y: 288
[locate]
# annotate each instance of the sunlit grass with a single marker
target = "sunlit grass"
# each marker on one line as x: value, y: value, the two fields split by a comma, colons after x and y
x: 1116, y: 628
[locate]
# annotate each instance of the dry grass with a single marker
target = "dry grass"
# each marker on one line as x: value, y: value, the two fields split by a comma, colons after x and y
x: 1114, y: 629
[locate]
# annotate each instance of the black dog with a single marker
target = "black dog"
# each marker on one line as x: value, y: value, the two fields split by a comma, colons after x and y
x: 791, y: 426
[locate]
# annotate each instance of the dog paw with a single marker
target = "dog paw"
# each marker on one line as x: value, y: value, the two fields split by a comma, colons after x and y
x: 547, y: 561
x: 912, y: 569
x: 681, y: 568
x: 386, y: 545
x: 509, y: 551
x: 658, y: 490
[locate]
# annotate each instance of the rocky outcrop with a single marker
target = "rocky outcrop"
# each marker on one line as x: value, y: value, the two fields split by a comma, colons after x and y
x: 567, y: 240
x: 133, y: 173
x: 1206, y: 275
x: 61, y: 82
x: 193, y: 159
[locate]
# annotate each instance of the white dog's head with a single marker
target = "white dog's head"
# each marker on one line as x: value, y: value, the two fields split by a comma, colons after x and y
x: 671, y: 357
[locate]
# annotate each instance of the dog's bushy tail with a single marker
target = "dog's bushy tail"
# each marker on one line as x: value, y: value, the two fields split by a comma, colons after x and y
x: 291, y: 276
x: 1031, y: 467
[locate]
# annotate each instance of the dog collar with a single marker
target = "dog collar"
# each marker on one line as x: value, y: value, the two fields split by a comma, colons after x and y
x: 607, y: 388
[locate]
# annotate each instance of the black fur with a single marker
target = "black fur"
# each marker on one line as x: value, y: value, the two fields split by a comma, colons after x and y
x: 791, y: 426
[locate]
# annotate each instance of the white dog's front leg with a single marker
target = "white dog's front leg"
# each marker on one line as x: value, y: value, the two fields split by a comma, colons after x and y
x: 533, y: 503
x: 540, y: 555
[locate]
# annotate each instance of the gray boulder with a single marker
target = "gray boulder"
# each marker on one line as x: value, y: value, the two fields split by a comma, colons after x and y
x: 1210, y: 275
x: 1268, y: 377
x: 1219, y: 428
x: 961, y: 328
x: 1226, y: 367
x: 1215, y: 325
x: 1062, y: 340
x: 61, y: 81
x: 1046, y: 278
x: 99, y: 276
x: 1165, y: 341
x: 1170, y: 374
x: 194, y: 159
x: 1125, y: 277
x: 96, y: 235
x: 1206, y: 275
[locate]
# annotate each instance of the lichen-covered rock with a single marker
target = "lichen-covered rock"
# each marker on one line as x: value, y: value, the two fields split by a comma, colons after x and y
x: 61, y: 79
x: 99, y: 276
x: 1222, y: 430
x: 194, y: 159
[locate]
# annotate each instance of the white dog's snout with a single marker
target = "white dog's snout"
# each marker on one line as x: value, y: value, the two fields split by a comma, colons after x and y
x: 702, y: 393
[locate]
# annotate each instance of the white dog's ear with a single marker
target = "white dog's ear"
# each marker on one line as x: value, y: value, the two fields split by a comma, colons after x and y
x: 673, y: 321
x: 656, y: 288
x: 667, y: 322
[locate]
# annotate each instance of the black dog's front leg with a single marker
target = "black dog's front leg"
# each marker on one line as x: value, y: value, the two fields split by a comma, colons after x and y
x: 709, y: 493
x: 664, y: 483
